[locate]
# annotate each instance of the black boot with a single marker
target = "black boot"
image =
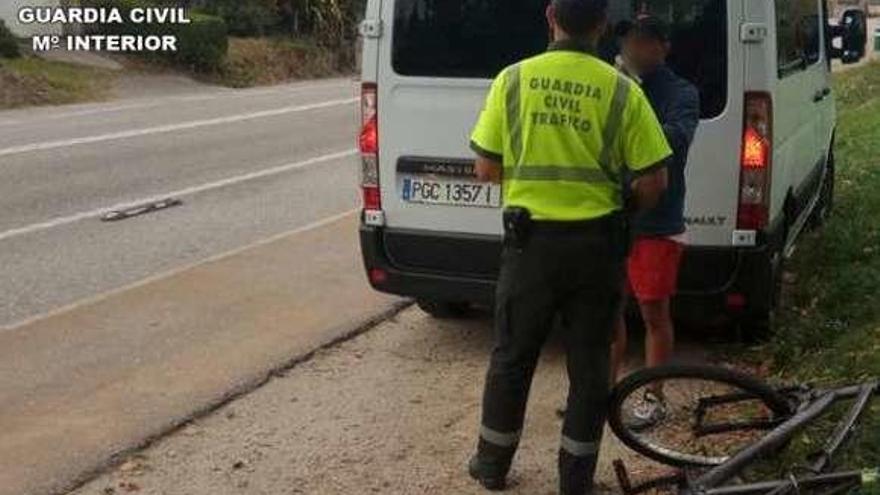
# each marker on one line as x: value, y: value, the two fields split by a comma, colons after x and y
x: 576, y: 474
x: 492, y: 478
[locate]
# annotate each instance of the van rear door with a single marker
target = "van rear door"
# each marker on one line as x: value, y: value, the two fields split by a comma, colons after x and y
x: 437, y: 59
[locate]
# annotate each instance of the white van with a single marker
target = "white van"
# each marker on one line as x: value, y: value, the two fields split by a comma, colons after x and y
x: 761, y: 166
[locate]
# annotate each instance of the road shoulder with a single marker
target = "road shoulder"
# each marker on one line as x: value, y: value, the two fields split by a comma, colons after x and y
x: 393, y: 411
x: 84, y: 386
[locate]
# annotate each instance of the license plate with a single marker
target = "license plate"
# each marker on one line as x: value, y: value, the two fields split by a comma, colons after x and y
x: 453, y: 192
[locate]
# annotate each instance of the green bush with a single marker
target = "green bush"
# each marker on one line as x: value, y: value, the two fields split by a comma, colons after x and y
x: 202, y: 44
x: 245, y: 17
x: 8, y: 44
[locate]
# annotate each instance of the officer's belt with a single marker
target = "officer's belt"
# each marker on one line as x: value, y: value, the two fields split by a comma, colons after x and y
x: 600, y: 226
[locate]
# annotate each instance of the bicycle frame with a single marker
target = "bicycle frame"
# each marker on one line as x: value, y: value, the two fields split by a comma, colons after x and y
x: 706, y: 403
x: 707, y: 483
x: 848, y: 479
x: 813, y: 404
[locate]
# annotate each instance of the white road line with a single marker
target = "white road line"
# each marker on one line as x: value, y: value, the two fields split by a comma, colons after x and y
x: 27, y: 148
x: 175, y: 271
x: 154, y: 102
x: 57, y: 222
x: 77, y: 113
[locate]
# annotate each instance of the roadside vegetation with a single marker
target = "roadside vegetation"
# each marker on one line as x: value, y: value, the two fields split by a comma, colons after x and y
x: 236, y: 43
x: 244, y: 43
x: 33, y: 81
x: 272, y: 60
x: 27, y: 80
x: 829, y: 327
x: 8, y: 44
x: 274, y: 41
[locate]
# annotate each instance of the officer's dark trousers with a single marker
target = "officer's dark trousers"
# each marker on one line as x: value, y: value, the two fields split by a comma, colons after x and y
x: 576, y: 275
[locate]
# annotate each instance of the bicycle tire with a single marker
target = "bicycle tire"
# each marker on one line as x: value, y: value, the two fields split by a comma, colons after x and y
x: 775, y: 402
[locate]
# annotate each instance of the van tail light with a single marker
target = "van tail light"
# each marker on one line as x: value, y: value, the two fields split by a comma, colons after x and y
x: 755, y: 162
x: 368, y: 143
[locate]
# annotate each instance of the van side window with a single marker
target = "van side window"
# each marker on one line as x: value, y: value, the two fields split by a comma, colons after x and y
x: 798, y: 38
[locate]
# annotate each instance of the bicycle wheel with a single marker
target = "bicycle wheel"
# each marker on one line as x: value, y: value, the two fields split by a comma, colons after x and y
x: 710, y: 413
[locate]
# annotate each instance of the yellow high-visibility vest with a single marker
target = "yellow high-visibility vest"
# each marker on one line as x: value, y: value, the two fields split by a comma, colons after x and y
x: 567, y: 128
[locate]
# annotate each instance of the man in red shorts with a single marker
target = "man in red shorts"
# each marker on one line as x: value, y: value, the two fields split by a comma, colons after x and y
x: 659, y: 233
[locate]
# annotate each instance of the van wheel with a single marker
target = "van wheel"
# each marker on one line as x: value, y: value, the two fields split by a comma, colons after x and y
x: 444, y: 310
x: 825, y: 205
x: 756, y: 326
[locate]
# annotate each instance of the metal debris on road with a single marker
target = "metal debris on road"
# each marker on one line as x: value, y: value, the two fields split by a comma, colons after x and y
x: 134, y: 211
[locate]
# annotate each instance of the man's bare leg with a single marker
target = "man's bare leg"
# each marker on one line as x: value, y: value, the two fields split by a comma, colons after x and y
x: 659, y: 340
x: 659, y: 345
x: 659, y: 333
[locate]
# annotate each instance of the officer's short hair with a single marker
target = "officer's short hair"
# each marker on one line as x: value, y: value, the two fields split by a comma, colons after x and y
x: 580, y: 17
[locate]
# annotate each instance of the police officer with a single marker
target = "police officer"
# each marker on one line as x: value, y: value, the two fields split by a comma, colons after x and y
x: 560, y: 131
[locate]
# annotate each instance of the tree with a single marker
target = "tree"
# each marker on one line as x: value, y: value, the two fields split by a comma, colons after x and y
x: 8, y: 44
x: 245, y: 17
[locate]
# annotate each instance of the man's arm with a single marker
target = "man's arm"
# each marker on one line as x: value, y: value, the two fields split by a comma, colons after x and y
x: 645, y: 151
x: 488, y: 170
x: 681, y: 120
x: 649, y: 187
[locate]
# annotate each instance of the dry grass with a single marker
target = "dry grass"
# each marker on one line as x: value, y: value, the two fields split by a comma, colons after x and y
x: 32, y: 81
x: 266, y: 61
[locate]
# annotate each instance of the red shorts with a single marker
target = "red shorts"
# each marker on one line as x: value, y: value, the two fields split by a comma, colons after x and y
x: 652, y: 268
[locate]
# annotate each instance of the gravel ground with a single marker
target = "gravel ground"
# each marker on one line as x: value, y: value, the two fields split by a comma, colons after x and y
x: 394, y: 411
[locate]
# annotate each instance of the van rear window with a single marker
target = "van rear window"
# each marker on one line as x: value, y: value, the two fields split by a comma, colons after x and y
x: 466, y: 38
x: 478, y: 38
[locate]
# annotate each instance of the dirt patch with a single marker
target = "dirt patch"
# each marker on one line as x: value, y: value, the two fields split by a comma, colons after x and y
x: 394, y: 411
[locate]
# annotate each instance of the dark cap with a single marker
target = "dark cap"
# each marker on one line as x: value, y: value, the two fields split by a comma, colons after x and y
x: 579, y: 17
x: 645, y: 25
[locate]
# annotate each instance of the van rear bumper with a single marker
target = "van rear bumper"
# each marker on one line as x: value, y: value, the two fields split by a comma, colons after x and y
x: 404, y: 275
x: 711, y: 277
x: 724, y: 281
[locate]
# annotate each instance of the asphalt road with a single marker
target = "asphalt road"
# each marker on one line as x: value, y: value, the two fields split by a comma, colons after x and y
x: 115, y: 333
x: 248, y: 165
